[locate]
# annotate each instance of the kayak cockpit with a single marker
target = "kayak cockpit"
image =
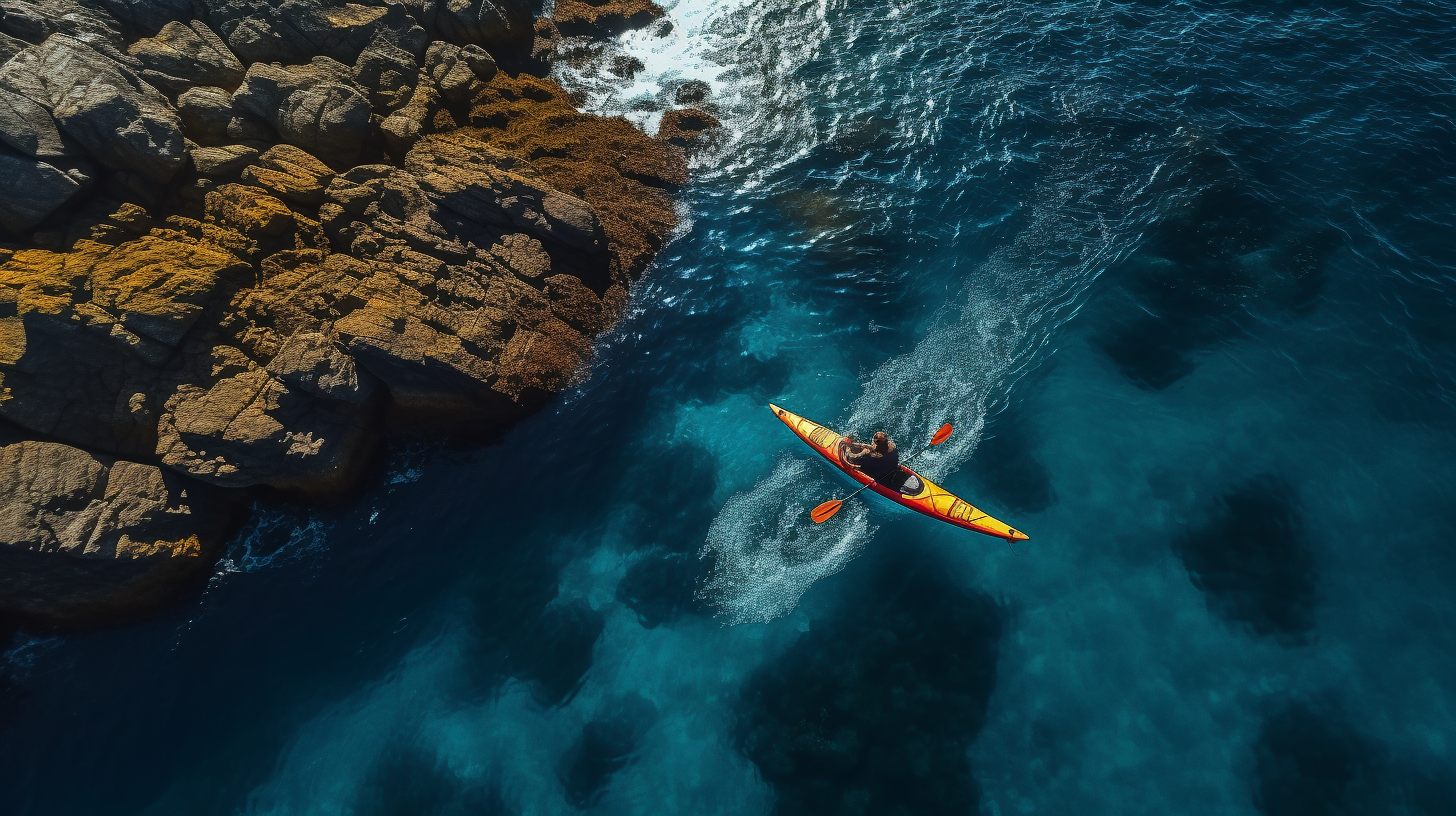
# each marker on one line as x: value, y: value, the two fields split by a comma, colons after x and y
x: 904, y: 481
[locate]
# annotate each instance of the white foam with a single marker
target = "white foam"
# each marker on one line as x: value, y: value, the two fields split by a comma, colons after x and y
x: 747, y: 53
x: 273, y: 537
x: 766, y: 550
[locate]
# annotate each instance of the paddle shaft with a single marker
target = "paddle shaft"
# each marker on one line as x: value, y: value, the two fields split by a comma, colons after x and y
x: 824, y: 511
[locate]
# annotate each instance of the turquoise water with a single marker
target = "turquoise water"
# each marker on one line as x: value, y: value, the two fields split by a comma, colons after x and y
x: 1179, y: 275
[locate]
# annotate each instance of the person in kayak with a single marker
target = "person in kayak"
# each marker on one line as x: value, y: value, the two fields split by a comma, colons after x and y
x: 880, y: 461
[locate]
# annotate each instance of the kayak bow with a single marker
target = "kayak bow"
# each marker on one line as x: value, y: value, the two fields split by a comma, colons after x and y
x: 915, y: 491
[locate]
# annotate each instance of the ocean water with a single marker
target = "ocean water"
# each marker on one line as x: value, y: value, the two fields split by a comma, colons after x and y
x: 1179, y: 274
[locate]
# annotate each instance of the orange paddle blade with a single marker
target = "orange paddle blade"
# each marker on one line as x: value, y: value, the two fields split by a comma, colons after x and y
x: 941, y: 435
x: 822, y: 513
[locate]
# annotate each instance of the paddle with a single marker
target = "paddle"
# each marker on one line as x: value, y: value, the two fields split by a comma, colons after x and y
x: 826, y: 511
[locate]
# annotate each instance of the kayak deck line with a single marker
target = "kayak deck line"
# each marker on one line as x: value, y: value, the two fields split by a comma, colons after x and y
x: 917, y: 492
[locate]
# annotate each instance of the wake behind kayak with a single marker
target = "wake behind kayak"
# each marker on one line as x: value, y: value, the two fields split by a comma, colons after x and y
x: 907, y: 488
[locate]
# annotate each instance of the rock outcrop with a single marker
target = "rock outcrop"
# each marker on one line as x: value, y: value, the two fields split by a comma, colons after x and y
x: 247, y: 239
x: 83, y: 536
x: 603, y: 18
x: 687, y: 128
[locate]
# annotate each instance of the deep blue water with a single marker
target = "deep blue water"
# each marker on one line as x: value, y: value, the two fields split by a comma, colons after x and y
x: 1181, y: 276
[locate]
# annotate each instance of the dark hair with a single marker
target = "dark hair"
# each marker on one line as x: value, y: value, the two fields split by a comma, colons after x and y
x: 882, y: 442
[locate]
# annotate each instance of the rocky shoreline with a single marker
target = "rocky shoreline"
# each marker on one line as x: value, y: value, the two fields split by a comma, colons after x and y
x: 246, y: 241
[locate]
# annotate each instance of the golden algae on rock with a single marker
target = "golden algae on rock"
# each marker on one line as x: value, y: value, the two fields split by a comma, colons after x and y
x: 327, y: 255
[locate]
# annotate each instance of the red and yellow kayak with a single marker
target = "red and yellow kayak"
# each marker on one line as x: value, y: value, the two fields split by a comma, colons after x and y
x: 916, y: 492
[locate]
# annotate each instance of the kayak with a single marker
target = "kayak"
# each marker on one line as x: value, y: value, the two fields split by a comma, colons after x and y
x: 908, y: 489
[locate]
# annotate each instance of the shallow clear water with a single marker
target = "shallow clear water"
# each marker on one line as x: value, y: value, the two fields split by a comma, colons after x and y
x: 1180, y: 275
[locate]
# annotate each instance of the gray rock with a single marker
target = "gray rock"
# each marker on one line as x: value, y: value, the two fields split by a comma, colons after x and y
x: 209, y: 119
x: 253, y: 39
x: 504, y: 27
x: 184, y: 56
x: 405, y: 126
x: 10, y: 46
x: 388, y: 74
x: 28, y: 127
x: 121, y: 121
x: 447, y: 67
x: 267, y: 86
x: 141, y: 18
x: 296, y: 30
x: 314, y: 363
x: 36, y: 20
x: 491, y: 187
x: 92, y: 540
x: 31, y: 190
x: 252, y: 428
x: 329, y: 120
x: 219, y: 162
x: 481, y: 63
x: 315, y: 107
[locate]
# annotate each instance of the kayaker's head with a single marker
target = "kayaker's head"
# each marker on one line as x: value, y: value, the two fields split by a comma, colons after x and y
x: 882, y: 442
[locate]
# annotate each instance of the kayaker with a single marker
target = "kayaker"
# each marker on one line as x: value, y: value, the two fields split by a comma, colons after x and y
x: 879, y: 461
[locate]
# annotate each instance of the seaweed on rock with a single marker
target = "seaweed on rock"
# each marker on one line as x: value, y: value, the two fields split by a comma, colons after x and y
x: 872, y: 710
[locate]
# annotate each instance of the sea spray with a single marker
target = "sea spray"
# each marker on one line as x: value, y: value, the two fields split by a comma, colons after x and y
x: 273, y: 537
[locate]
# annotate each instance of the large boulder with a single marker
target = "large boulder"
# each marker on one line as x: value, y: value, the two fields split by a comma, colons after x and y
x: 453, y: 74
x: 35, y: 21
x: 388, y: 74
x: 297, y: 30
x: 238, y: 425
x: 222, y: 162
x: 143, y: 18
x: 503, y: 27
x: 316, y: 107
x: 30, y: 190
x: 209, y: 119
x: 28, y: 127
x: 88, y: 540
x: 184, y: 56
x: 121, y: 121
x: 487, y: 186
x: 10, y: 46
x: 91, y: 330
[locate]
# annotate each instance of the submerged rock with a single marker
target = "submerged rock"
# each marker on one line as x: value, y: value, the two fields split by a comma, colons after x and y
x: 86, y: 539
x: 873, y: 710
